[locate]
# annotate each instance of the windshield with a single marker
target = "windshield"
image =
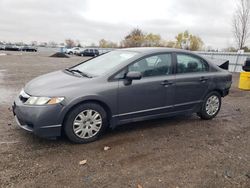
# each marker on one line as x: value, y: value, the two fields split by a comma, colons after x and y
x: 101, y: 64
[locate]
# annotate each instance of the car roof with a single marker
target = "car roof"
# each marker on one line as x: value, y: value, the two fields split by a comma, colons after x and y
x: 149, y: 50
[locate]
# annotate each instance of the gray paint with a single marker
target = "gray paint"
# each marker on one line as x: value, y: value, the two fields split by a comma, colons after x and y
x: 144, y: 99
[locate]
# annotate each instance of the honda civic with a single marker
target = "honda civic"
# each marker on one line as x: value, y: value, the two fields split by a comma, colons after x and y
x: 119, y: 87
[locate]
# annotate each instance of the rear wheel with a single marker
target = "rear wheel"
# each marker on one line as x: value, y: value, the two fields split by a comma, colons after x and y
x: 85, y: 123
x: 211, y: 106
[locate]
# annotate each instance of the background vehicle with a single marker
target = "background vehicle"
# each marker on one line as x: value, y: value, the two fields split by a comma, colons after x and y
x: 72, y: 51
x: 29, y: 49
x: 2, y: 47
x: 89, y: 52
x: 119, y: 87
x: 12, y: 48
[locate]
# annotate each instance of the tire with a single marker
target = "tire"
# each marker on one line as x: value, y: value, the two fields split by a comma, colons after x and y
x: 79, y: 126
x: 211, y: 106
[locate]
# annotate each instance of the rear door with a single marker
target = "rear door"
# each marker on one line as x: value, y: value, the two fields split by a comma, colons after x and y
x: 153, y: 93
x: 192, y: 81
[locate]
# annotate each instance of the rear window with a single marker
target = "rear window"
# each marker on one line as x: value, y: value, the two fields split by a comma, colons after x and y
x: 189, y: 64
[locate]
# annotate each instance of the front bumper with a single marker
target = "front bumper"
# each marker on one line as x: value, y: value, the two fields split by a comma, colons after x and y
x: 43, y: 121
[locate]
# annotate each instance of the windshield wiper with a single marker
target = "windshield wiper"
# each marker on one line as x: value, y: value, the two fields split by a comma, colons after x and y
x: 79, y: 72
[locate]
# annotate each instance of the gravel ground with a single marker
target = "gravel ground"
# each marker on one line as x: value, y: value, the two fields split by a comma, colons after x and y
x: 172, y: 152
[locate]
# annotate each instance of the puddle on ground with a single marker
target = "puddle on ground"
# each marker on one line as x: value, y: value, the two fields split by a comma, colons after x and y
x: 2, y: 71
x: 6, y: 95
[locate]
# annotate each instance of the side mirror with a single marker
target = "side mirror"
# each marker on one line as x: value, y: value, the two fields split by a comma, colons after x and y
x: 133, y: 75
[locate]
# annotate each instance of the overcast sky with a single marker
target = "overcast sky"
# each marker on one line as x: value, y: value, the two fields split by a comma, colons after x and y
x: 90, y: 20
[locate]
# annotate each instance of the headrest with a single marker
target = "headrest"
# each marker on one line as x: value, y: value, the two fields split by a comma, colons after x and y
x: 192, y: 65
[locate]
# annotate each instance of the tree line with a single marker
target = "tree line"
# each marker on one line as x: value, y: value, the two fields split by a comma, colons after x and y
x: 138, y: 38
x: 241, y: 24
x: 185, y: 40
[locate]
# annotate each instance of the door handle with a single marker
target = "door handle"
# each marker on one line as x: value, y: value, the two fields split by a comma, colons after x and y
x: 203, y: 79
x: 166, y: 83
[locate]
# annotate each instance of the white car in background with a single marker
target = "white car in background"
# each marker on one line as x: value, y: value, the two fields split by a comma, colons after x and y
x: 2, y: 47
x: 74, y: 50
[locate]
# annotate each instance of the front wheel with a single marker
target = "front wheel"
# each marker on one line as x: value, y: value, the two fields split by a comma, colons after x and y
x: 211, y: 106
x: 85, y: 123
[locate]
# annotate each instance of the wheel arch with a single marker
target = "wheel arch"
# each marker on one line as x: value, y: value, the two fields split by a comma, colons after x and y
x: 97, y: 101
x: 220, y: 91
x: 201, y: 112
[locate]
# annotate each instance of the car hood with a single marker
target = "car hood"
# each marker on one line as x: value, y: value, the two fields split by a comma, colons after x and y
x: 56, y: 83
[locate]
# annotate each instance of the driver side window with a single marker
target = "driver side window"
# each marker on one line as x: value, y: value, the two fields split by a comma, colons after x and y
x: 156, y: 65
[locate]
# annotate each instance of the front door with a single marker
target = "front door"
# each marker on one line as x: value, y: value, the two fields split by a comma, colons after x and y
x: 153, y: 93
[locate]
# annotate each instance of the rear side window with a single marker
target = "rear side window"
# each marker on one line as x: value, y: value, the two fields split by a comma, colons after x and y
x: 190, y: 64
x: 156, y: 65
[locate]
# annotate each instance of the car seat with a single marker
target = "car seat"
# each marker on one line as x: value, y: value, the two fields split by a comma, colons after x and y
x: 181, y: 68
x: 192, y: 66
x: 143, y: 66
x: 162, y: 68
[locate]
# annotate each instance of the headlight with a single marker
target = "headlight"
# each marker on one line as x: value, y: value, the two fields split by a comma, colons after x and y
x: 44, y: 100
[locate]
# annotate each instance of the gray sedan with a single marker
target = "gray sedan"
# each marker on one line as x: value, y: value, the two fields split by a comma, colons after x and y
x: 119, y: 87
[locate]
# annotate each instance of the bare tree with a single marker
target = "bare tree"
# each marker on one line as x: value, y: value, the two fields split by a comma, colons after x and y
x: 135, y: 38
x: 34, y: 43
x: 70, y: 43
x: 107, y: 44
x: 52, y: 44
x: 78, y: 43
x: 241, y: 23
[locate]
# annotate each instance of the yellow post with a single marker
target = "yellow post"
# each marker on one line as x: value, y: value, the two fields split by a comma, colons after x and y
x: 244, y: 82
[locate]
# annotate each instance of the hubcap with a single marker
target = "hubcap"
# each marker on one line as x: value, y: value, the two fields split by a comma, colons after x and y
x: 212, y: 105
x: 87, y: 124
